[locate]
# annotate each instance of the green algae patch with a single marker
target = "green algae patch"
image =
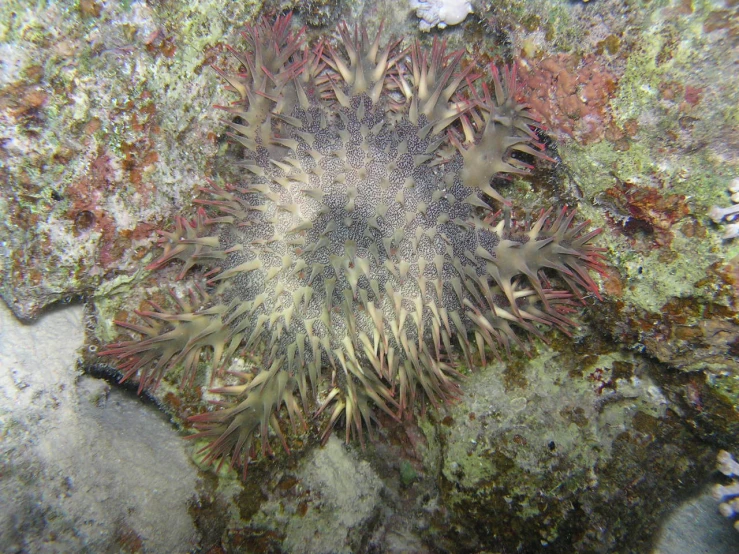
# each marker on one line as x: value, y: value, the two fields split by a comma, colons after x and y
x: 653, y: 197
x: 652, y: 281
x: 526, y: 458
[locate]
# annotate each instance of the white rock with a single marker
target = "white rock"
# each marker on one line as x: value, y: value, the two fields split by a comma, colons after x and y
x: 440, y: 13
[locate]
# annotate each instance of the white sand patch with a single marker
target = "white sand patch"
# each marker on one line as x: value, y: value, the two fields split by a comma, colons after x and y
x: 83, y: 467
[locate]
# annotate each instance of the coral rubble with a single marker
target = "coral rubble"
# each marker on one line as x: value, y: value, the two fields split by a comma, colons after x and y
x: 440, y: 13
x: 728, y: 495
x: 728, y: 214
x: 361, y: 249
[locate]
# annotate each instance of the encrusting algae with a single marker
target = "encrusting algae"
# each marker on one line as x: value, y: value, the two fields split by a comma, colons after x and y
x: 361, y: 248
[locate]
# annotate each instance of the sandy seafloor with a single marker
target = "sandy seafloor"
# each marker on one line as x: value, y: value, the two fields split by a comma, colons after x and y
x: 88, y: 468
x: 83, y: 464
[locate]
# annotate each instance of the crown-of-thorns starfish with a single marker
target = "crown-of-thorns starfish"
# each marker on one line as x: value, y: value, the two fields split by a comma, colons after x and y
x: 360, y: 249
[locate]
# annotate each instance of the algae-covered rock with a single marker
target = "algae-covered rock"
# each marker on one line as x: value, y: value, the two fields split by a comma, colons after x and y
x: 107, y: 130
x: 106, y: 127
x: 566, y: 452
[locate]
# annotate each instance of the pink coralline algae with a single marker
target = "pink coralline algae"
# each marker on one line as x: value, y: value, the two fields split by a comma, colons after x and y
x: 571, y: 94
x: 360, y: 253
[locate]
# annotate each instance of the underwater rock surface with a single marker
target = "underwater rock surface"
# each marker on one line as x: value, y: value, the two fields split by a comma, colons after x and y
x: 84, y: 467
x: 110, y: 136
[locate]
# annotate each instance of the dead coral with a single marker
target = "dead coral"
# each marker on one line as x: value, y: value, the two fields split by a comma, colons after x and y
x: 728, y: 214
x: 728, y: 495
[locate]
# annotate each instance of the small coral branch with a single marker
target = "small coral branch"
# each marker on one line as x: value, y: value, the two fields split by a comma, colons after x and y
x: 728, y: 495
x: 729, y: 214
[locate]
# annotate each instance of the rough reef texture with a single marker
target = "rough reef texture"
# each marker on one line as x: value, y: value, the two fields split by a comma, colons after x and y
x: 644, y: 153
x: 728, y: 214
x: 102, y: 107
x: 608, y: 426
